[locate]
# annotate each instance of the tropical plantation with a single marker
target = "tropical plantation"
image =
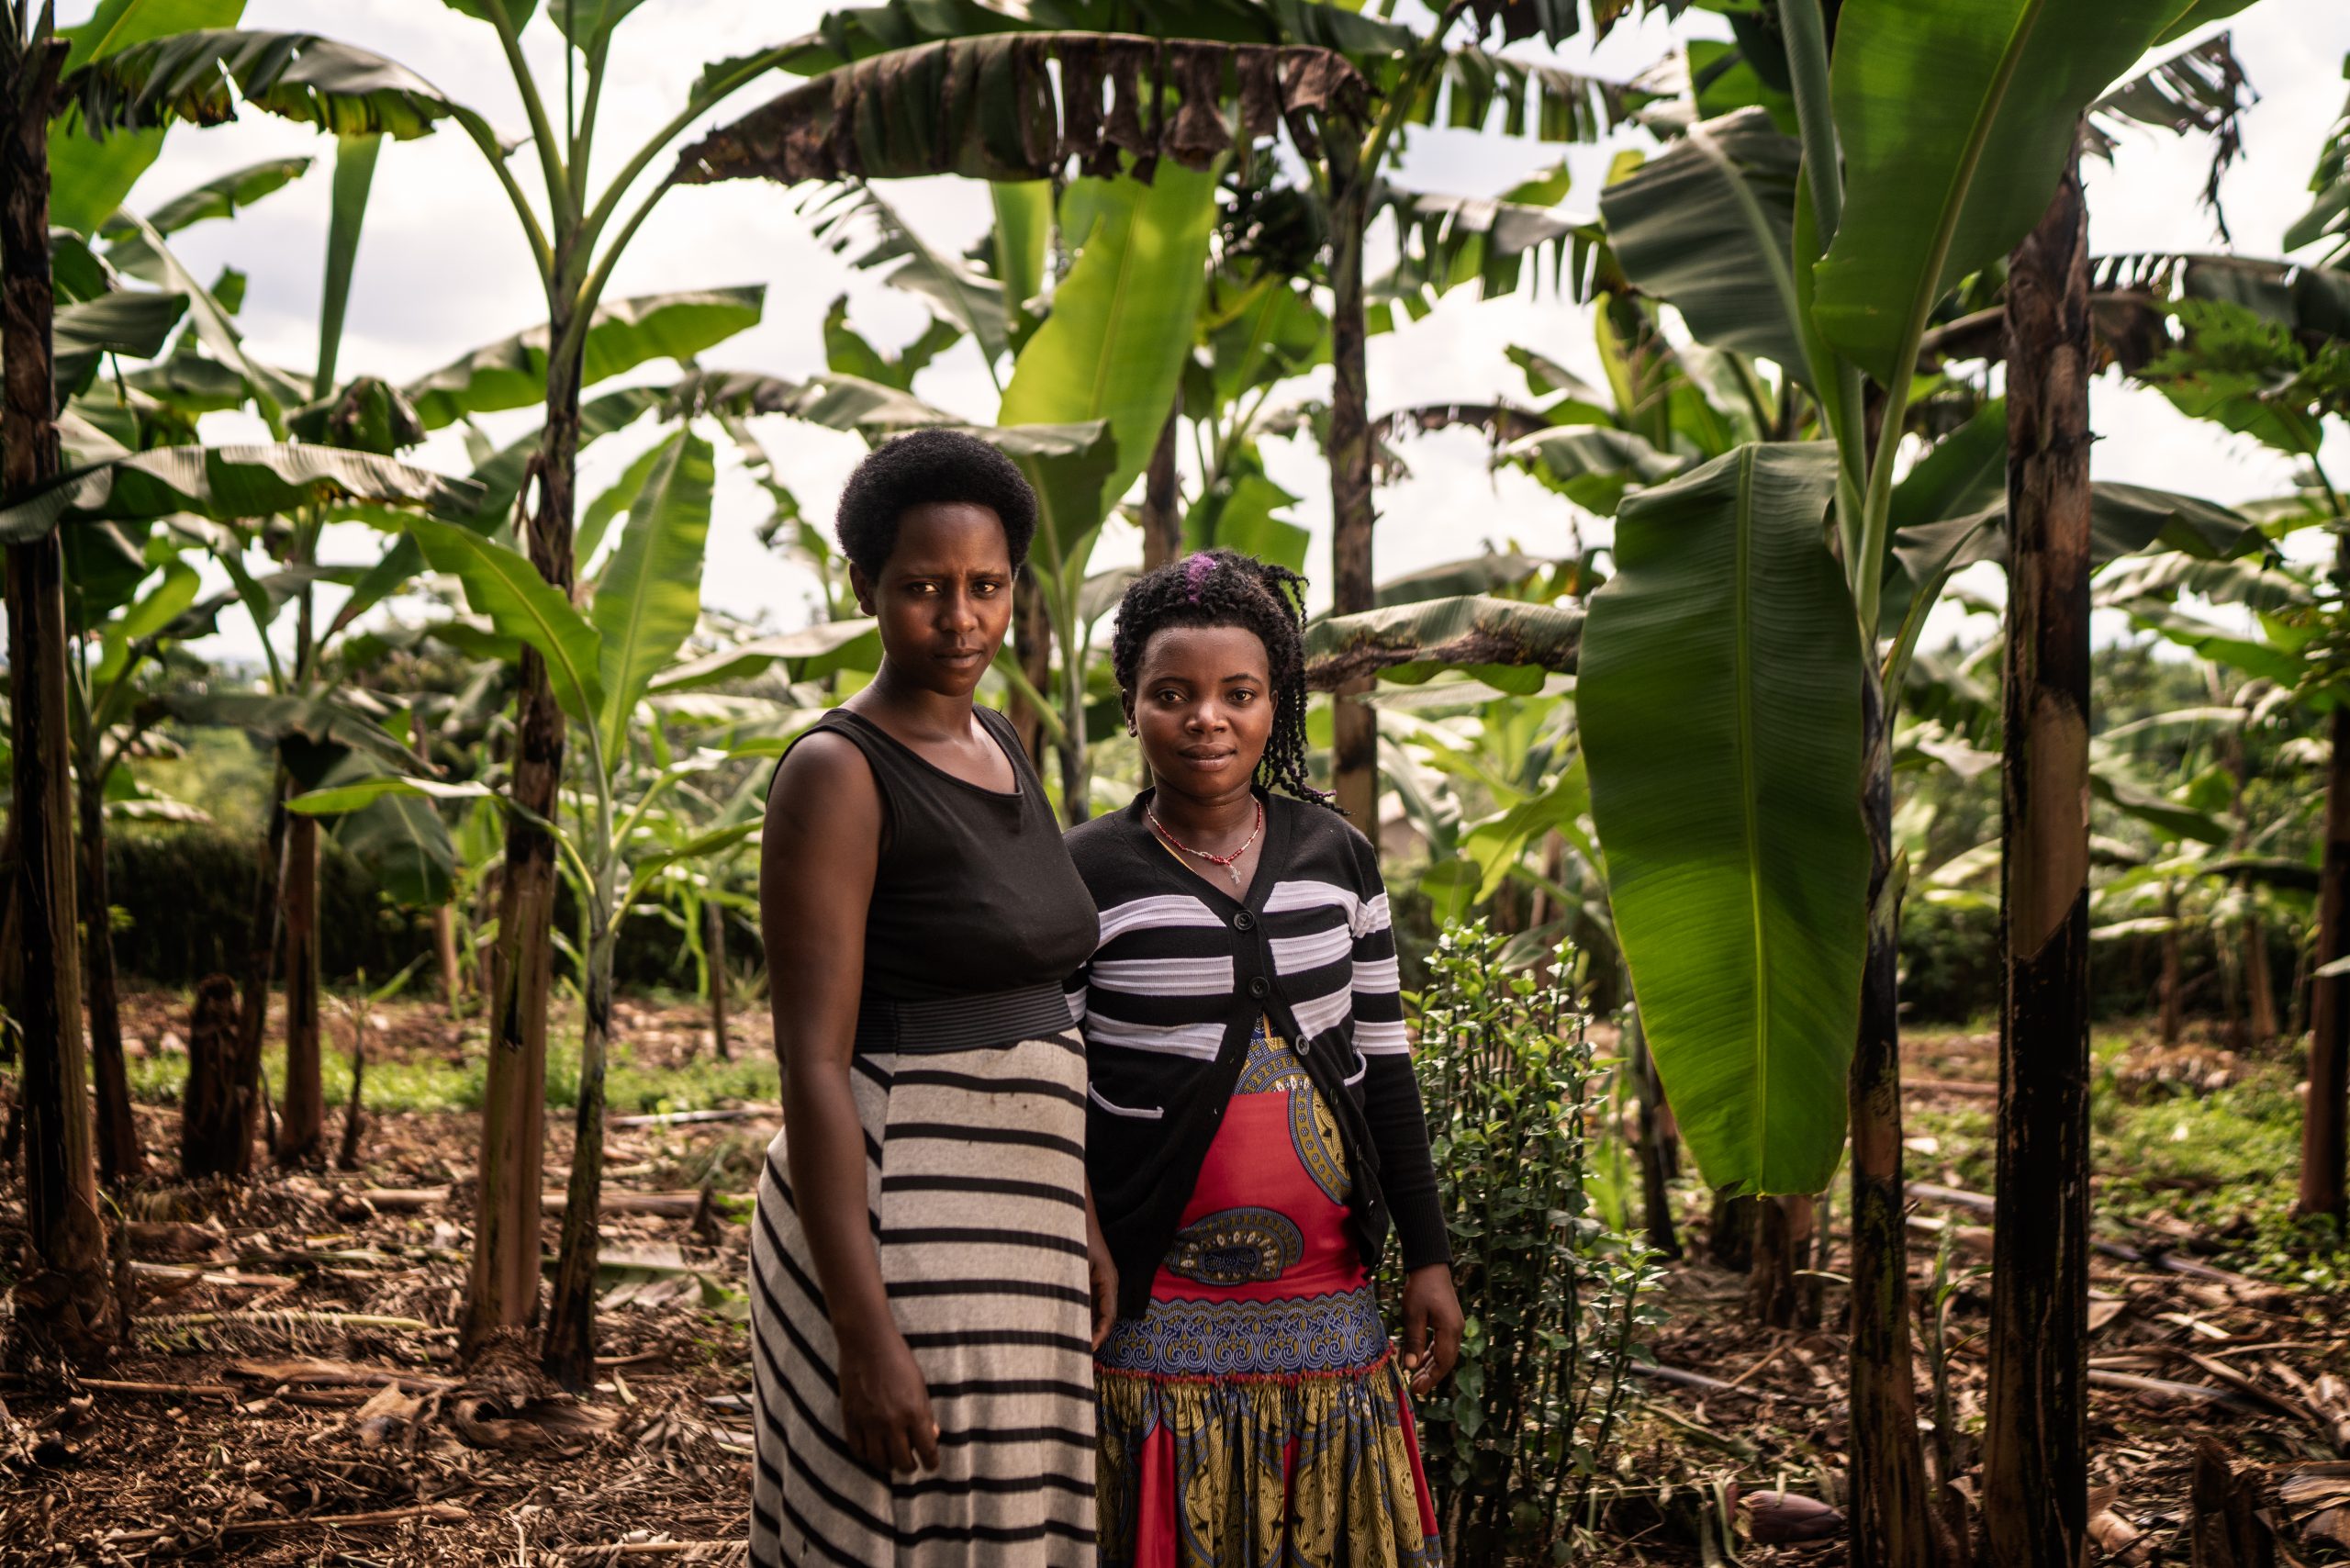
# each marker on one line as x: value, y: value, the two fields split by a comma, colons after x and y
x: 1806, y: 539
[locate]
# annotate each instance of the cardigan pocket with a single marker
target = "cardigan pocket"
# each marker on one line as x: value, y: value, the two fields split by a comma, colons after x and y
x: 1139, y: 1112
x: 1363, y: 1066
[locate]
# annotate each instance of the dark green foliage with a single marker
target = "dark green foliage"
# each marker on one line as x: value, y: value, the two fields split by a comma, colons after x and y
x: 182, y: 897
x: 1515, y: 1444
x: 188, y: 892
x: 1950, y: 968
x: 1950, y: 962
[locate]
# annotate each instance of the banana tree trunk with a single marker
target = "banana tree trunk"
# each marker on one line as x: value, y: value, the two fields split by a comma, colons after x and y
x: 714, y: 947
x: 570, y: 1354
x: 1162, y: 515
x: 502, y: 1288
x: 2035, y: 1458
x: 243, y: 1064
x: 2326, y: 1119
x: 66, y: 1294
x: 1077, y: 766
x: 2259, y: 985
x: 444, y: 950
x: 212, y: 1118
x: 1729, y: 1231
x: 301, y: 1129
x: 120, y: 1159
x: 354, y: 1110
x: 1032, y: 645
x: 1782, y: 1245
x: 1656, y: 1159
x: 1354, y: 753
x: 1890, y: 1527
x: 2173, y: 981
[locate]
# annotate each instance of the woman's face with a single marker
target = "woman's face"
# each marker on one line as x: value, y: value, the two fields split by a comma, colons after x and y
x: 944, y: 598
x: 1203, y: 709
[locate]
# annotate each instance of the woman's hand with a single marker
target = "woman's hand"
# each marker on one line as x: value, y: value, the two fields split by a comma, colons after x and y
x: 885, y: 1405
x: 1101, y: 1272
x: 1431, y: 1326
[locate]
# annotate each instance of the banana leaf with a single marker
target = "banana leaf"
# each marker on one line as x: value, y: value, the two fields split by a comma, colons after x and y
x: 625, y: 333
x: 338, y: 87
x: 398, y: 837
x: 126, y: 323
x: 88, y: 175
x: 1955, y: 122
x: 504, y: 586
x: 752, y: 658
x: 321, y: 722
x: 649, y: 598
x: 223, y: 197
x: 1708, y: 226
x: 1719, y: 701
x: 1113, y: 348
x: 1592, y: 465
x: 1014, y: 107
x: 227, y: 483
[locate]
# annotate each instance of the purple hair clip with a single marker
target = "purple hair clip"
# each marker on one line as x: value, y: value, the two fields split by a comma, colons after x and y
x: 1196, y: 575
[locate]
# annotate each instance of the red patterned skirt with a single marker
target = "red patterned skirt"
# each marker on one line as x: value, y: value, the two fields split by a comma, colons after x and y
x: 1255, y: 1412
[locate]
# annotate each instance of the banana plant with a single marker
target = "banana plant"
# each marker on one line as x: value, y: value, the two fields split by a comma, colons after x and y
x: 201, y: 76
x: 57, y: 174
x: 1779, y: 1131
x: 406, y: 842
x: 601, y: 663
x: 1928, y: 144
x: 109, y: 560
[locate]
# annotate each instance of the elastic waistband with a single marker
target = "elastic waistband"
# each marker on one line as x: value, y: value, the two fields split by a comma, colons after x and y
x: 976, y: 1022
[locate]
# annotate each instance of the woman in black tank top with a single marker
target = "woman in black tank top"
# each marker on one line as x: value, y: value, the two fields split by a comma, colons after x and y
x: 928, y: 1282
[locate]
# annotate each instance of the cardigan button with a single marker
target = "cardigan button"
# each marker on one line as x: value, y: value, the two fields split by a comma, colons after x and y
x: 1258, y: 988
x: 1244, y: 921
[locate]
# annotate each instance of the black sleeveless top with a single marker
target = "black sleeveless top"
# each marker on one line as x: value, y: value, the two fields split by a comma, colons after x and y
x: 975, y: 893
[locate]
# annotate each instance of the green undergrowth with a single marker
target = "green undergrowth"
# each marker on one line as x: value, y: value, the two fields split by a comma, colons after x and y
x: 2221, y: 1164
x: 431, y: 1082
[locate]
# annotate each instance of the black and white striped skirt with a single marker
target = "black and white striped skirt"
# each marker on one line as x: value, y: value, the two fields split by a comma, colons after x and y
x: 975, y: 1179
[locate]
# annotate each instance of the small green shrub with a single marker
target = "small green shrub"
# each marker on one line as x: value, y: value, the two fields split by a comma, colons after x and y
x: 1515, y: 1445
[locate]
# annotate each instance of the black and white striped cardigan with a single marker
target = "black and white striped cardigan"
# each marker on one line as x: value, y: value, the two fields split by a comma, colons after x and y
x: 1172, y: 995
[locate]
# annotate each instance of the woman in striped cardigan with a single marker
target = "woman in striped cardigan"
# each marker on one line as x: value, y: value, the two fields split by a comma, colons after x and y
x: 1254, y: 1129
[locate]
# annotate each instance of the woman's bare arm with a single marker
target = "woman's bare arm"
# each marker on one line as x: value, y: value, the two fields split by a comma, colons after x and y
x: 817, y: 859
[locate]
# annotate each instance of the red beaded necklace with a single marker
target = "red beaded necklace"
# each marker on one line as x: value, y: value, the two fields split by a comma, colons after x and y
x: 1223, y: 862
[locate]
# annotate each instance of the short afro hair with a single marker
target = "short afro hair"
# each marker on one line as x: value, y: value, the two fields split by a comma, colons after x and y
x: 930, y: 467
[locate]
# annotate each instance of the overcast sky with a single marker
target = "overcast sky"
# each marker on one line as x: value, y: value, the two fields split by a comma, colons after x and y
x: 441, y: 269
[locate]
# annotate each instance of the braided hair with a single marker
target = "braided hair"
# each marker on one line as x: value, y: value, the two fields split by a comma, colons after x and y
x: 1220, y: 587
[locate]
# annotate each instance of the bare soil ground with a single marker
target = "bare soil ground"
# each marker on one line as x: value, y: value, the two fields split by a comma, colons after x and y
x: 291, y: 1393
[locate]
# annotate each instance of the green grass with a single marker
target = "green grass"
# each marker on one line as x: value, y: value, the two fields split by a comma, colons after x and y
x: 2224, y: 1162
x: 434, y: 1083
